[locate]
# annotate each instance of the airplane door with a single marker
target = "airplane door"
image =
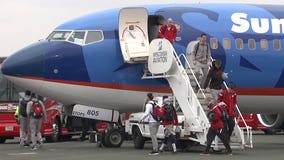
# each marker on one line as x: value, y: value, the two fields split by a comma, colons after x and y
x: 189, y: 51
x: 133, y: 34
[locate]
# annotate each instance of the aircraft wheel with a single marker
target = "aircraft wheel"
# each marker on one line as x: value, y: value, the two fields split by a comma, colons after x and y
x: 138, y: 139
x: 2, y: 140
x: 113, y: 138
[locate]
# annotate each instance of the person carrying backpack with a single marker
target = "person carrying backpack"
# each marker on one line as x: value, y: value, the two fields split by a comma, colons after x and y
x: 36, y: 111
x: 201, y: 58
x: 23, y: 118
x: 153, y: 123
x: 215, y: 79
x: 216, y: 127
x: 229, y: 97
x: 169, y: 120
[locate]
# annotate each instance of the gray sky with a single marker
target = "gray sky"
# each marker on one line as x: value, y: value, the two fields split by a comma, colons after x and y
x: 26, y: 21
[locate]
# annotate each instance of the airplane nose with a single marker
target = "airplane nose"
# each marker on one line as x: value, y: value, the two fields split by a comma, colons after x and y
x: 27, y: 62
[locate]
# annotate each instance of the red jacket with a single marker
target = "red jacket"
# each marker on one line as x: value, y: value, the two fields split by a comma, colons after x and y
x: 173, y: 122
x: 168, y: 33
x: 230, y: 98
x: 217, y: 122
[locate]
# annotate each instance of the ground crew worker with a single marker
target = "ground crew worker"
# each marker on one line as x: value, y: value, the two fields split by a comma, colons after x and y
x: 168, y: 31
x: 36, y: 111
x: 216, y: 127
x: 153, y: 124
x: 23, y: 118
x: 229, y: 97
x: 169, y: 120
x: 16, y: 115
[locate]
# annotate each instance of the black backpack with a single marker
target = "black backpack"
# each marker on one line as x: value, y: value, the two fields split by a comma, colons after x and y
x: 197, y: 46
x: 23, y: 108
x: 169, y: 112
x: 224, y: 115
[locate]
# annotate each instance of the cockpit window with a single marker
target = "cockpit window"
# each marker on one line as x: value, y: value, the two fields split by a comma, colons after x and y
x: 58, y: 35
x: 94, y: 36
x: 77, y: 37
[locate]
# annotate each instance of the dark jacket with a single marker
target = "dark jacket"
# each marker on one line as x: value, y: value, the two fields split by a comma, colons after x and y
x: 215, y: 77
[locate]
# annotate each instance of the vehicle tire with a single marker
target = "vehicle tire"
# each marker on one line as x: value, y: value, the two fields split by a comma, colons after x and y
x: 2, y: 140
x: 270, y: 131
x: 182, y: 144
x: 113, y: 138
x: 66, y: 137
x: 56, y: 131
x: 92, y: 137
x: 138, y: 139
x: 103, y: 140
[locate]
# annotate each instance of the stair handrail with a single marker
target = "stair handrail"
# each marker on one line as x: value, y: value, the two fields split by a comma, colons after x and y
x: 177, y: 58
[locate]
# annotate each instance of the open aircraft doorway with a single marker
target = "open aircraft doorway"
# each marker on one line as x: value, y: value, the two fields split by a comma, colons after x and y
x: 136, y: 30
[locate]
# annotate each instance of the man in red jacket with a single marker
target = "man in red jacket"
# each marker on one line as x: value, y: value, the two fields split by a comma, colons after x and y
x: 216, y: 128
x: 169, y: 120
x: 168, y: 31
x: 229, y: 96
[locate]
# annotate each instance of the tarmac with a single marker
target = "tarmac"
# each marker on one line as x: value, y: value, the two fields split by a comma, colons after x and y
x: 266, y: 147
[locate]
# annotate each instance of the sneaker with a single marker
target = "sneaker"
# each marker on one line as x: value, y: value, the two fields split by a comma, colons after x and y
x: 205, y: 154
x: 174, y: 152
x: 26, y: 145
x: 34, y: 147
x: 229, y: 153
x: 153, y: 153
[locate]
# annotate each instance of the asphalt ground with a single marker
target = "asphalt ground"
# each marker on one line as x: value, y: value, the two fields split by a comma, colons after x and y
x: 266, y: 147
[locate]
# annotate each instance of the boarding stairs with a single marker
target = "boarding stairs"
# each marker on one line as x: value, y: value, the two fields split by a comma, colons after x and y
x: 188, y: 94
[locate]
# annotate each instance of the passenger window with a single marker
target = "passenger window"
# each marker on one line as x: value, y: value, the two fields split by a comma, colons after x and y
x: 77, y: 37
x: 213, y: 43
x: 264, y: 44
x: 94, y: 36
x: 239, y: 44
x: 226, y: 43
x: 251, y: 44
x: 277, y: 44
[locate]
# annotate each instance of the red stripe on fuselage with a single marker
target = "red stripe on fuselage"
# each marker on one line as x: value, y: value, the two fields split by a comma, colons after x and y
x: 260, y: 91
x: 107, y: 85
x: 240, y: 91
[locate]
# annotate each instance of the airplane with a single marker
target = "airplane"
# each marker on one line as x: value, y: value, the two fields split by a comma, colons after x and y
x: 87, y: 60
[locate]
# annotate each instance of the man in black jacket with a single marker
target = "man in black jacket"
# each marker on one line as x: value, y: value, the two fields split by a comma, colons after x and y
x: 215, y: 77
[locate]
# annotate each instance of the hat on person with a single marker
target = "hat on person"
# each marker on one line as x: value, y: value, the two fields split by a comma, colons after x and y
x: 167, y: 101
x: 231, y: 85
